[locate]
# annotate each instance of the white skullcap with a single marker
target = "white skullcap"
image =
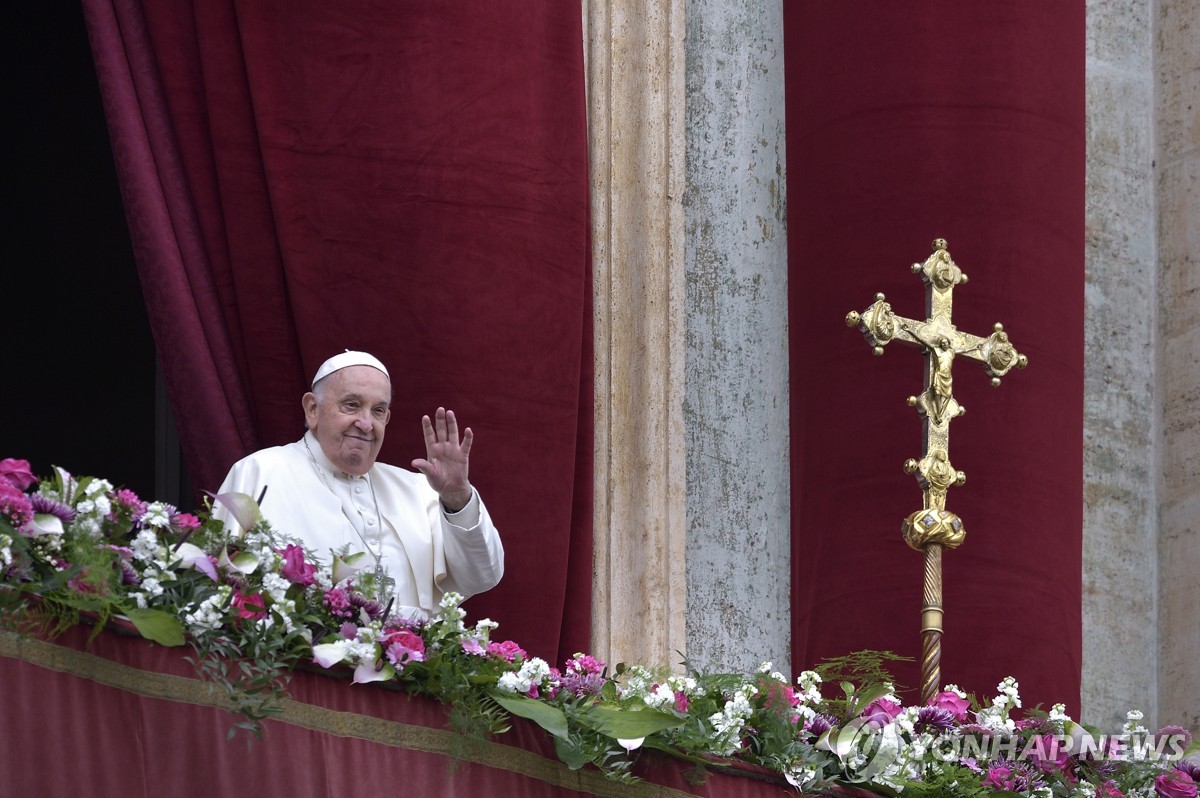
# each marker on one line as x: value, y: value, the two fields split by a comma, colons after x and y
x: 348, y: 358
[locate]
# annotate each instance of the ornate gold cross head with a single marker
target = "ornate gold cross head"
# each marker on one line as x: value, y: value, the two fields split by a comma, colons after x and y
x: 941, y: 343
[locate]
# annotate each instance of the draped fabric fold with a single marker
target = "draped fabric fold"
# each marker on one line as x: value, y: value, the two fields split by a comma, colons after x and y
x: 405, y: 178
x: 962, y: 121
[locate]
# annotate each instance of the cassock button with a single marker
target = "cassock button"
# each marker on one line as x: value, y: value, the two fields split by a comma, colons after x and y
x: 370, y: 522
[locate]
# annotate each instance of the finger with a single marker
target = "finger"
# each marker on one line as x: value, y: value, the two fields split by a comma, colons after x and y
x: 441, y: 423
x: 427, y: 429
x: 451, y: 426
x: 422, y: 465
x: 468, y: 436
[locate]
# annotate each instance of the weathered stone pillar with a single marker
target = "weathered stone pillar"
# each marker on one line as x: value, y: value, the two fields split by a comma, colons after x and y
x: 635, y: 110
x: 1177, y: 73
x: 736, y: 406
x: 1119, y: 523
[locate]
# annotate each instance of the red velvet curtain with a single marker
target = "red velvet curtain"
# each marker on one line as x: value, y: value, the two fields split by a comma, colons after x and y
x: 907, y: 122
x: 407, y: 178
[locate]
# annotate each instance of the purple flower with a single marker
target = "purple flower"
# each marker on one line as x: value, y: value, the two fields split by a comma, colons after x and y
x: 934, y: 719
x: 371, y: 607
x: 819, y: 725
x: 1015, y: 776
x: 47, y: 506
x: 1189, y: 767
x: 582, y: 675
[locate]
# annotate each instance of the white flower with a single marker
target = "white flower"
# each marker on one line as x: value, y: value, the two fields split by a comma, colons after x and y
x: 661, y: 696
x: 156, y: 516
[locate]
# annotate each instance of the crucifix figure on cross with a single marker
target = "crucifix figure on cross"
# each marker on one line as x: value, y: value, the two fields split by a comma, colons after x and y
x: 933, y: 527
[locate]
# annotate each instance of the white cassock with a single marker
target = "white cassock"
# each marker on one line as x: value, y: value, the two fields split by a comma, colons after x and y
x: 390, y: 513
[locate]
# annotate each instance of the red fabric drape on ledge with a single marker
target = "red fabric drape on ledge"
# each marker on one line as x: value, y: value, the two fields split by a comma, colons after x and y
x: 406, y: 178
x: 906, y: 123
x: 122, y: 717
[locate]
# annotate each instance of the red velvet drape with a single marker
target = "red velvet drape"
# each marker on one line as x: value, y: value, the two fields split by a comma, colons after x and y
x: 407, y: 178
x: 908, y: 122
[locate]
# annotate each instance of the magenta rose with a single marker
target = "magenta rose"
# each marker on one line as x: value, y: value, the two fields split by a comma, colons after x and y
x: 1049, y: 753
x: 881, y: 712
x: 17, y: 473
x: 295, y: 569
x: 250, y: 607
x: 952, y: 703
x: 1001, y: 777
x: 1109, y: 789
x: 1175, y: 784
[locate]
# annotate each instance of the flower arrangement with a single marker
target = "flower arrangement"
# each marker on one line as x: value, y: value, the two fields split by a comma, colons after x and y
x: 255, y: 607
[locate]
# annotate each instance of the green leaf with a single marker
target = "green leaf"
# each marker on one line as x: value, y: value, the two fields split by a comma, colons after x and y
x: 549, y: 718
x: 570, y: 754
x: 161, y: 627
x: 868, y: 696
x: 629, y: 724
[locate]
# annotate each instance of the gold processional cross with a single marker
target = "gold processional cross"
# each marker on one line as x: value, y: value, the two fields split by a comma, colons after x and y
x: 933, y: 527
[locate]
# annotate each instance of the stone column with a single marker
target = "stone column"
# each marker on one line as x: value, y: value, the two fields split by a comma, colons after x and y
x: 635, y: 119
x: 1119, y: 636
x: 1176, y: 48
x: 736, y: 406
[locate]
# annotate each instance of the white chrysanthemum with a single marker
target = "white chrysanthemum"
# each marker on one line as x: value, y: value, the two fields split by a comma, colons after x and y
x: 511, y: 682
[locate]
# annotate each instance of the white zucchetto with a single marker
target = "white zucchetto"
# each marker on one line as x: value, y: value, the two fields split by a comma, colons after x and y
x: 348, y: 358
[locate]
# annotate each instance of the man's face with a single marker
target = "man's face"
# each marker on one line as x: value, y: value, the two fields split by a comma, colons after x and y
x: 349, y: 417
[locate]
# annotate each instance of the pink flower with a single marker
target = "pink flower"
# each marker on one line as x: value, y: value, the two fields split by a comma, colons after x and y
x: 881, y: 712
x: 15, y: 505
x: 1175, y: 784
x: 507, y: 651
x: 472, y: 646
x: 1109, y: 789
x: 16, y: 473
x: 952, y: 703
x: 402, y: 647
x: 1001, y: 777
x: 338, y: 602
x: 250, y: 607
x: 295, y: 569
x: 681, y: 701
x: 1049, y: 753
x: 185, y: 522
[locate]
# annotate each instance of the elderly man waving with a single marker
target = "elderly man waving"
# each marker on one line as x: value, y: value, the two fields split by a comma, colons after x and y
x: 426, y: 534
